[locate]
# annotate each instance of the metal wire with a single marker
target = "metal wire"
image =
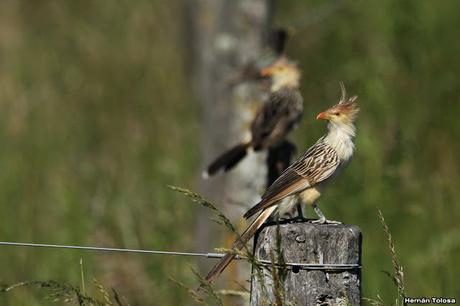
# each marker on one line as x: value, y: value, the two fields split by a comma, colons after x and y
x: 303, y: 266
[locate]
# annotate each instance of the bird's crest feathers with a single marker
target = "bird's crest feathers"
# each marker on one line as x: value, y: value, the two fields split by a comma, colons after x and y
x: 347, y: 105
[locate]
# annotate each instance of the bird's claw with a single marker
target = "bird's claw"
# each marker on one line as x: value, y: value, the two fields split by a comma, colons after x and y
x: 300, y: 219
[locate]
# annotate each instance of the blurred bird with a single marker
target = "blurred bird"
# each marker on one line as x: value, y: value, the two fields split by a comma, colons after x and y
x: 273, y: 120
x: 306, y: 178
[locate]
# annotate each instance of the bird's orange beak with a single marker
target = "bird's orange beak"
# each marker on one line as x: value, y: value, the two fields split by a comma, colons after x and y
x: 322, y: 116
x: 266, y: 72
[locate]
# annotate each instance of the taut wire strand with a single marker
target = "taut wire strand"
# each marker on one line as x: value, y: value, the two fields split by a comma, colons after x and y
x: 305, y: 266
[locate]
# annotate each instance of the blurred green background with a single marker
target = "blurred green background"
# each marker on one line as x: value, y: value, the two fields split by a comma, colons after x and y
x: 97, y: 117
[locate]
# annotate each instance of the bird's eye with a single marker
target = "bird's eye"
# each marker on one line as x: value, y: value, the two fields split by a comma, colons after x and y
x: 336, y: 114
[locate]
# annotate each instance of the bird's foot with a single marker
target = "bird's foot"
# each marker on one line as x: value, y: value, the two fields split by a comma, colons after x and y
x: 325, y: 221
x: 288, y: 219
x: 300, y: 218
x: 322, y: 219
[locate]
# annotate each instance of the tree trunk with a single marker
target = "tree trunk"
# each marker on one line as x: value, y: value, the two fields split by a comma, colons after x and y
x: 227, y: 35
x: 312, y: 244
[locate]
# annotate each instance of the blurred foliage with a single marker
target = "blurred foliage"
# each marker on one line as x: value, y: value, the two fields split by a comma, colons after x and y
x: 96, y: 118
x: 400, y: 58
x: 94, y: 102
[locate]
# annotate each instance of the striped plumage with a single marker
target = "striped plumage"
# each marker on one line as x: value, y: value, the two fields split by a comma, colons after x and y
x: 315, y: 166
x: 308, y: 175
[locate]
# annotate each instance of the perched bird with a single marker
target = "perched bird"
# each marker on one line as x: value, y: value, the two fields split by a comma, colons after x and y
x: 273, y: 120
x: 306, y: 178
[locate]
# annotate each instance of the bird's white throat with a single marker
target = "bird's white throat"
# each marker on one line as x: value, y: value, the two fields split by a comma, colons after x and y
x: 286, y: 79
x: 340, y: 136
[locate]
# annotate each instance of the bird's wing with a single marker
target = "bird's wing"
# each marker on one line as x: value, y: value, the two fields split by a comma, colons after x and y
x: 313, y: 167
x: 276, y: 117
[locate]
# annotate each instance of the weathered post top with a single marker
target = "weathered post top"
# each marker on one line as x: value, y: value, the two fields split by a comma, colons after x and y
x: 308, y: 243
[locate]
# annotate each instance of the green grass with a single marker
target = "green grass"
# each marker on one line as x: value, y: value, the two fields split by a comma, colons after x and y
x: 398, y: 57
x: 97, y: 118
x: 93, y: 105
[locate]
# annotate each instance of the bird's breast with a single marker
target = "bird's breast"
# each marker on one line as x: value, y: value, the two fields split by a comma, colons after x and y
x: 310, y: 195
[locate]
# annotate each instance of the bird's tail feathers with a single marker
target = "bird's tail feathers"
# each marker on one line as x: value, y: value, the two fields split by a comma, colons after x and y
x: 239, y: 244
x: 227, y: 160
x: 264, y: 203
